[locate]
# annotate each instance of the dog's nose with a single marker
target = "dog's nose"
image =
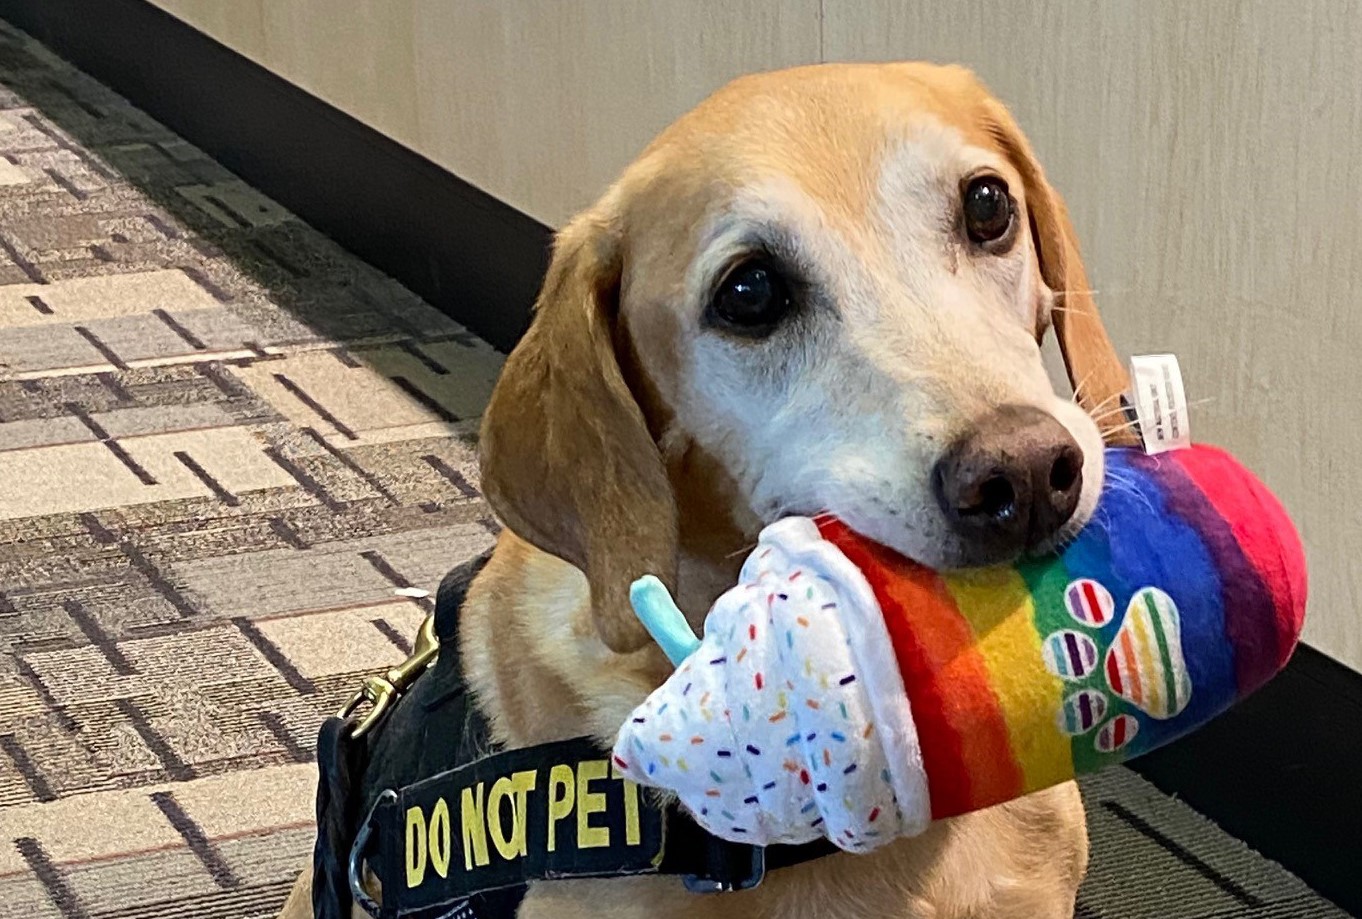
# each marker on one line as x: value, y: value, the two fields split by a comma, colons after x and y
x: 1012, y: 482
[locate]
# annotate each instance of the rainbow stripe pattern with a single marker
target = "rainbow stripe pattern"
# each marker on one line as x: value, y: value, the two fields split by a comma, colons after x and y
x: 1185, y: 594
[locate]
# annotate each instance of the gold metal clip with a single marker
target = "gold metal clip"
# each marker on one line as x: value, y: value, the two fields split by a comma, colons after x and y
x: 381, y: 691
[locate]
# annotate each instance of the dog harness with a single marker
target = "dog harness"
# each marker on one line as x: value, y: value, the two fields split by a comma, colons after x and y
x: 414, y: 799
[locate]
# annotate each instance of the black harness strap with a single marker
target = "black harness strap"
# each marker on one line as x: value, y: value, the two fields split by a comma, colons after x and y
x: 429, y: 728
x: 549, y: 812
x: 465, y: 842
x: 339, y: 761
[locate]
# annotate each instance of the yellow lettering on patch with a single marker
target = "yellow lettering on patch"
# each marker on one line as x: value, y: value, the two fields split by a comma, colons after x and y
x: 501, y: 788
x: 590, y: 802
x: 474, y: 828
x: 562, y: 785
x: 416, y: 847
x: 439, y: 838
x: 632, y: 834
x: 520, y: 785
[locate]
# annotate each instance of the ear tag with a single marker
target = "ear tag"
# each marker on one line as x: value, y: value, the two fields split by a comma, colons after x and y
x: 1160, y: 402
x: 659, y: 614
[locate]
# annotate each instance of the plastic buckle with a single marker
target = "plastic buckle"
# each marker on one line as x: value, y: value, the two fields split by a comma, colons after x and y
x: 355, y: 866
x: 757, y: 873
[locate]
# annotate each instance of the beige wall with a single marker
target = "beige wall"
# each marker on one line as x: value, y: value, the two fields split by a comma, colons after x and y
x: 539, y: 102
x: 1209, y: 152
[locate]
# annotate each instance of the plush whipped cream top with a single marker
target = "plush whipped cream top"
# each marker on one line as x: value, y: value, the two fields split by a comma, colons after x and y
x: 790, y: 721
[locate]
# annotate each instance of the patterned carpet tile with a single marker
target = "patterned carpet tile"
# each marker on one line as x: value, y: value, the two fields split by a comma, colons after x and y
x: 225, y: 445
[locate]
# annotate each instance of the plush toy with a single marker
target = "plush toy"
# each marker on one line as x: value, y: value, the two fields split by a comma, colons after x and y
x: 843, y: 691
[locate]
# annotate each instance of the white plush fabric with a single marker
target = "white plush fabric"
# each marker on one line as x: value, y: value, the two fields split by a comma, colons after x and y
x: 790, y: 721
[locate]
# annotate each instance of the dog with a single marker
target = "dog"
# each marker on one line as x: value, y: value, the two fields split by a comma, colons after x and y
x: 823, y: 290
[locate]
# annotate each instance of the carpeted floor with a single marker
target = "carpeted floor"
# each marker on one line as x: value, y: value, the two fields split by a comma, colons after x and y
x: 225, y: 447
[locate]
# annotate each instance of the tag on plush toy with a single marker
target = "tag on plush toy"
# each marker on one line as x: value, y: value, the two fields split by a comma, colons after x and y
x: 843, y: 691
x: 1160, y: 402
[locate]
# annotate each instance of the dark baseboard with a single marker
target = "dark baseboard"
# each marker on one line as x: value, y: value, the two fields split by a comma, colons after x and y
x: 476, y: 258
x: 1282, y: 771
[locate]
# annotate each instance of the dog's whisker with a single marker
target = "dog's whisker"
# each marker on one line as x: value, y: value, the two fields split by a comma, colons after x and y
x: 1104, y: 403
x: 1111, y: 397
x: 1066, y: 309
x: 1108, y: 291
x: 779, y: 512
x: 1102, y: 406
x: 1099, y: 416
x: 1113, y: 422
x: 1110, y: 434
x: 1114, y: 476
x: 1078, y: 390
x: 1109, y: 413
x: 1119, y: 485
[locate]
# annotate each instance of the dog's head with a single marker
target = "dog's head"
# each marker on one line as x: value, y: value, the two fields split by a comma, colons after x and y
x: 823, y: 290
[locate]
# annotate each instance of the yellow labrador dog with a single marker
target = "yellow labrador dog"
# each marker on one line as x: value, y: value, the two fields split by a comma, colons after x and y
x: 822, y: 290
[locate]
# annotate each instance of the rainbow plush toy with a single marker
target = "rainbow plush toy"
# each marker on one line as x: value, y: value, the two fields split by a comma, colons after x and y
x: 843, y: 691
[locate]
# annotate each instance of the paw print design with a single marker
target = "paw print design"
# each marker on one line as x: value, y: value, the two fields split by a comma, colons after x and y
x: 1142, y: 663
x: 1145, y: 665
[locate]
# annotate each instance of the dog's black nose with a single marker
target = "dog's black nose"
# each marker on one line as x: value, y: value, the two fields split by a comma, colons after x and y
x: 1012, y: 481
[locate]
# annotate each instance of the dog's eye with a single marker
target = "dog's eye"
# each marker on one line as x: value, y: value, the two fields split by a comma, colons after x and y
x: 988, y: 209
x: 752, y: 296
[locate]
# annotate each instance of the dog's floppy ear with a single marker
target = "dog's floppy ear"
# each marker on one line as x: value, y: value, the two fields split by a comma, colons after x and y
x: 567, y: 460
x: 1095, y: 371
